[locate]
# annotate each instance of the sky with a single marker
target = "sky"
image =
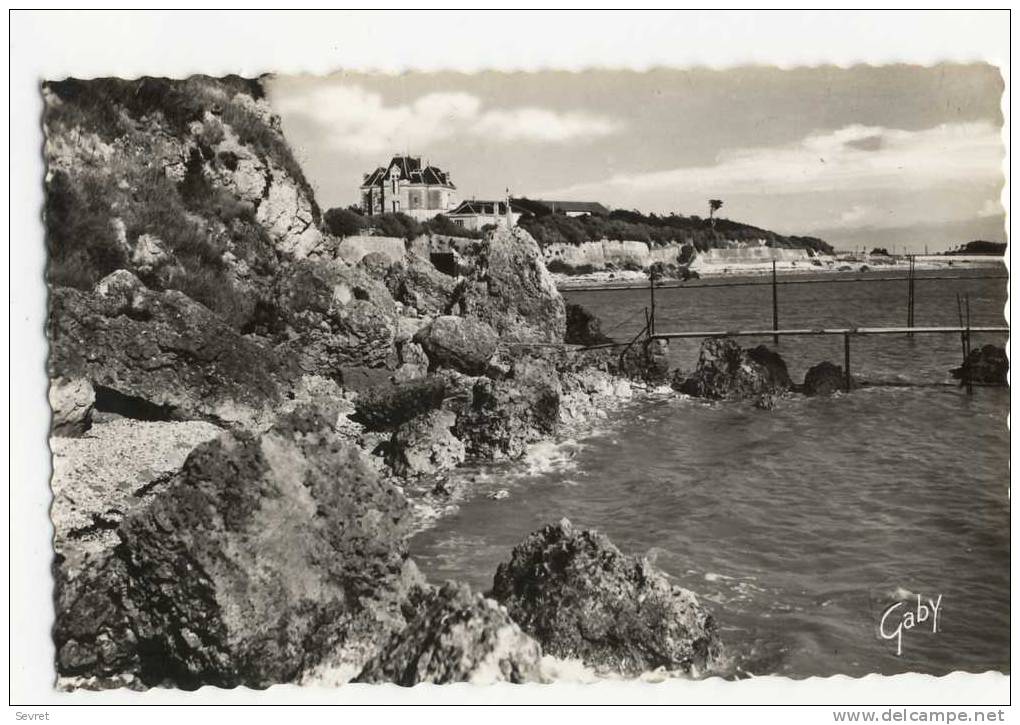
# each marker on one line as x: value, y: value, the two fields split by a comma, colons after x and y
x: 899, y: 156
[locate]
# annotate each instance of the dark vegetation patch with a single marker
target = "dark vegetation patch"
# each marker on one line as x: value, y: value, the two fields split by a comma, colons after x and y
x: 350, y: 221
x: 657, y: 230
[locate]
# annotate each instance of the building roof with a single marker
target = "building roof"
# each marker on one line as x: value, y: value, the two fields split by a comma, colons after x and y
x: 410, y: 169
x: 484, y: 207
x: 544, y: 206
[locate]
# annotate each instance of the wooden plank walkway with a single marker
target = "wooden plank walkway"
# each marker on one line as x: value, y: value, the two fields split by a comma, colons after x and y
x: 829, y: 331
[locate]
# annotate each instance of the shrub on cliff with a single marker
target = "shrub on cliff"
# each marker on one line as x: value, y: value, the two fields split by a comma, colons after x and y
x: 583, y: 327
x: 344, y: 222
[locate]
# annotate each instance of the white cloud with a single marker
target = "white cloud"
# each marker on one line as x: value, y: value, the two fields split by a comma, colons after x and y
x: 358, y: 121
x: 855, y: 176
x: 539, y: 124
x: 991, y: 207
x: 834, y: 161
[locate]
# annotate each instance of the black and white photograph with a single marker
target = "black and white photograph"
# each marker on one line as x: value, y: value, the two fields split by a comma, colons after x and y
x: 668, y: 374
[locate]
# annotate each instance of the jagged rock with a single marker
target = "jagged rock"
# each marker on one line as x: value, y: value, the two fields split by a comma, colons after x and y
x: 581, y: 598
x: 512, y: 290
x: 389, y: 405
x: 988, y: 365
x: 265, y: 555
x: 583, y: 327
x: 727, y: 372
x: 339, y: 316
x: 161, y: 355
x: 287, y: 213
x: 644, y: 360
x: 460, y: 343
x: 417, y: 284
x: 414, y: 363
x: 824, y: 379
x: 504, y: 416
x: 424, y: 445
x: 454, y: 635
x: 71, y: 402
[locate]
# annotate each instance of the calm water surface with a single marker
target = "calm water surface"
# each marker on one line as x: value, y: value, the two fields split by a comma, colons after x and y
x: 798, y: 527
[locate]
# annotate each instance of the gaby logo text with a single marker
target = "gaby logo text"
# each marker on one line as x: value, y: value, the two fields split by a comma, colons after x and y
x: 903, y: 616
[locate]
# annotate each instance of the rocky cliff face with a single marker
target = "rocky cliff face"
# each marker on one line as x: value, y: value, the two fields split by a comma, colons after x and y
x: 188, y: 184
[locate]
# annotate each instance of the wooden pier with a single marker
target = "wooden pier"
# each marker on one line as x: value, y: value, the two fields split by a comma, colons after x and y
x: 847, y: 332
x: 964, y: 330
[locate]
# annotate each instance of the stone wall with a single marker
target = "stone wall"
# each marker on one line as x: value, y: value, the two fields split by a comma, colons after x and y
x: 353, y: 248
x: 620, y: 254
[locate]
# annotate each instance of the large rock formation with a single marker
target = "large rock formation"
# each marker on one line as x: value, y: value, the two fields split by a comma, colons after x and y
x: 460, y: 343
x: 264, y: 556
x: 337, y: 316
x: 504, y: 416
x: 581, y: 598
x: 725, y: 371
x: 513, y: 291
x: 987, y: 365
x: 454, y: 635
x: 161, y: 355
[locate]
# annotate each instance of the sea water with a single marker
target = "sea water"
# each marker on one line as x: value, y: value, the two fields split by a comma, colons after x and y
x: 800, y: 528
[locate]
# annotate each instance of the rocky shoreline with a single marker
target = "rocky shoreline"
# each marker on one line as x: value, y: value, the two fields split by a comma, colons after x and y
x: 211, y: 531
x: 248, y: 426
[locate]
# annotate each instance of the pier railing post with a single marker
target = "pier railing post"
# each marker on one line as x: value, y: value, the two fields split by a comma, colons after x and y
x: 846, y: 361
x: 966, y: 347
x: 651, y: 292
x: 910, y: 295
x: 775, y: 304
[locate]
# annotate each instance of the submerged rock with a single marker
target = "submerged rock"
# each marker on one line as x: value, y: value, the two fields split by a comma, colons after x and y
x: 725, y: 371
x: 265, y: 555
x: 71, y: 402
x: 581, y: 598
x: 824, y: 378
x: 987, y: 365
x: 161, y: 355
x: 454, y: 635
x: 425, y: 446
x: 460, y: 343
x: 504, y: 416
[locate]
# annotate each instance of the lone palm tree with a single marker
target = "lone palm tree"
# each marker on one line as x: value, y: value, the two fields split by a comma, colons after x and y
x: 713, y: 207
